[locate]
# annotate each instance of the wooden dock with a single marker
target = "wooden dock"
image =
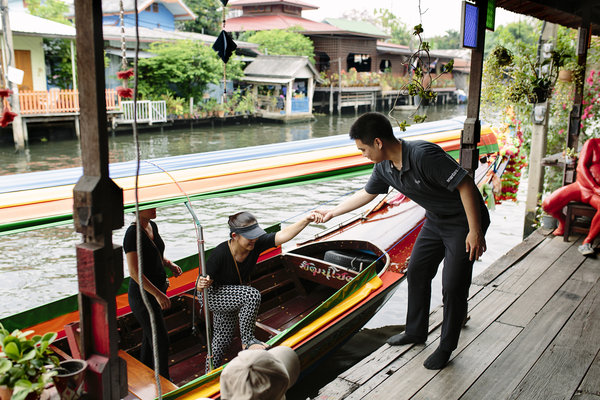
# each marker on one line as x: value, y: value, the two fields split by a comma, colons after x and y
x: 533, y: 333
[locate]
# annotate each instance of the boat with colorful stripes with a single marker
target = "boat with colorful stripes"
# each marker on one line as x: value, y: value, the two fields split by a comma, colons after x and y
x: 314, y: 297
x: 46, y: 198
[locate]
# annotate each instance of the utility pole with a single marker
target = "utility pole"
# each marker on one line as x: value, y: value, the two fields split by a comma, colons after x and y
x: 9, y: 52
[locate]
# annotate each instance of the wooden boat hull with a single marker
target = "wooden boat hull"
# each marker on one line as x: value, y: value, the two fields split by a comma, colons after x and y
x: 44, y: 198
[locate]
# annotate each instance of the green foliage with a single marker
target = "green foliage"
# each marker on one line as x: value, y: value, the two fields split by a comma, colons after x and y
x: 54, y: 10
x: 451, y: 40
x: 26, y: 364
x: 282, y: 42
x: 183, y: 68
x: 421, y: 81
x: 208, y: 13
x: 399, y: 32
x: 59, y: 69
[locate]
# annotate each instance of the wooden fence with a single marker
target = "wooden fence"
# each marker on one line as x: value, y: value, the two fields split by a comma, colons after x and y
x: 59, y: 101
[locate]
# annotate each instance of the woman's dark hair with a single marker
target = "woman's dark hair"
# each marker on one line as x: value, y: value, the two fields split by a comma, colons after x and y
x: 372, y: 125
x: 241, y: 220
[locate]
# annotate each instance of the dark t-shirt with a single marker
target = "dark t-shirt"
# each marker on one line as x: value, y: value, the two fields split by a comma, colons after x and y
x: 429, y: 177
x: 152, y: 255
x: 221, y: 267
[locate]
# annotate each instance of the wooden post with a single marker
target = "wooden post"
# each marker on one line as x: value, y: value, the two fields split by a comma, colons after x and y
x: 288, y: 98
x: 97, y: 210
x: 469, y: 153
x: 73, y: 69
x: 583, y: 43
x: 19, y: 136
x: 339, y: 105
x: 539, y: 132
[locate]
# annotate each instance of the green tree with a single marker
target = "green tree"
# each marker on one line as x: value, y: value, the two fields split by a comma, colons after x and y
x: 451, y: 40
x: 182, y: 68
x: 282, y: 42
x: 208, y: 17
x: 57, y: 51
x: 399, y: 32
x: 54, y: 10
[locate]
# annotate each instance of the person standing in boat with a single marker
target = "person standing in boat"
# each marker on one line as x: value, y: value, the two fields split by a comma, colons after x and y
x: 456, y: 222
x: 229, y: 266
x: 155, y: 284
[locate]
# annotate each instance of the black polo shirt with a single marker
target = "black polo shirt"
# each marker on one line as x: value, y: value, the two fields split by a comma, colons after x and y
x: 429, y: 177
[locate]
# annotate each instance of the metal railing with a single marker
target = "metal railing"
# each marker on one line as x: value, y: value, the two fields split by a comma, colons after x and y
x: 58, y: 101
x: 147, y: 111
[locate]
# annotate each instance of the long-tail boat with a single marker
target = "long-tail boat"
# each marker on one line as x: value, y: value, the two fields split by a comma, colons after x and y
x: 314, y: 297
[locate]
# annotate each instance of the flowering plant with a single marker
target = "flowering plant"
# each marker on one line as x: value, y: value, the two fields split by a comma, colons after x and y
x: 510, y: 141
x: 590, y: 117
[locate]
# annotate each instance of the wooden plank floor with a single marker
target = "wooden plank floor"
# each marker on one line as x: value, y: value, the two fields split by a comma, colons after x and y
x: 533, y: 333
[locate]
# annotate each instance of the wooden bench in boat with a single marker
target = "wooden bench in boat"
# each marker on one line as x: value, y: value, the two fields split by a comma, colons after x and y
x: 140, y: 379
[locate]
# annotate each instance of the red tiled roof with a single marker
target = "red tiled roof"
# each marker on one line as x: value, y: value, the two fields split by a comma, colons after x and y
x: 268, y: 22
x: 241, y: 3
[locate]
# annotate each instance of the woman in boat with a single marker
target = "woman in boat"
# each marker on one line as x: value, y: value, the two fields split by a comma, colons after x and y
x: 229, y: 267
x: 155, y: 284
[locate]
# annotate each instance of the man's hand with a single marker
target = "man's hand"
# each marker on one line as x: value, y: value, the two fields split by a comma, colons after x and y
x: 322, y: 216
x: 163, y: 300
x: 475, y: 244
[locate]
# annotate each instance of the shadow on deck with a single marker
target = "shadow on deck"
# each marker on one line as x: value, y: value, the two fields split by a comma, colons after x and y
x: 533, y: 333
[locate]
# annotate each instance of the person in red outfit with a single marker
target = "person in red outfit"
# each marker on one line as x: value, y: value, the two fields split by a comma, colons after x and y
x: 585, y: 189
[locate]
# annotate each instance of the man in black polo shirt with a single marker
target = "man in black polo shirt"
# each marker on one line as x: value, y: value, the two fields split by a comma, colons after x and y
x: 456, y: 221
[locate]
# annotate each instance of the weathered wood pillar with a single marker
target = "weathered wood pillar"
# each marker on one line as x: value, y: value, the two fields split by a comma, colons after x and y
x: 97, y: 210
x: 19, y: 134
x: 583, y: 43
x: 471, y: 134
x: 539, y: 141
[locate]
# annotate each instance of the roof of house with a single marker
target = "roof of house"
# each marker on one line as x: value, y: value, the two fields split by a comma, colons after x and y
x: 362, y: 27
x: 243, y: 3
x: 176, y: 7
x: 158, y: 35
x: 279, y: 21
x: 277, y: 69
x: 25, y: 24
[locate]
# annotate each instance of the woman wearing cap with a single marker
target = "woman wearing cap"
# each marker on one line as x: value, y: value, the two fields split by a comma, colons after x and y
x: 229, y: 266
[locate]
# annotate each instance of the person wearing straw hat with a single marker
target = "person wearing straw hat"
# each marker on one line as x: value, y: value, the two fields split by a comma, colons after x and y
x: 454, y: 229
x: 229, y: 266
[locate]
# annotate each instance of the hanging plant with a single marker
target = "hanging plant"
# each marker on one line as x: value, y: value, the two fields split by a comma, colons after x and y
x: 421, y: 81
x: 7, y: 116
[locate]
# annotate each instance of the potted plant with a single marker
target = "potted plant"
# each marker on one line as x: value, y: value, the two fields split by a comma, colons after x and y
x: 26, y: 365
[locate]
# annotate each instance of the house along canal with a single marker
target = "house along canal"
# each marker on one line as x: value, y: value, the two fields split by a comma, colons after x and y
x: 39, y: 266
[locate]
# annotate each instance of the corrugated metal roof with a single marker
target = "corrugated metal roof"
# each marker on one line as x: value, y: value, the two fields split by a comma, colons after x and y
x: 22, y: 23
x: 268, y: 22
x: 176, y: 7
x: 242, y: 3
x: 363, y: 27
x: 278, y: 67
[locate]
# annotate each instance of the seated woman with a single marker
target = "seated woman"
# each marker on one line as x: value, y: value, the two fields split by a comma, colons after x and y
x: 155, y: 285
x: 229, y: 268
x: 585, y: 189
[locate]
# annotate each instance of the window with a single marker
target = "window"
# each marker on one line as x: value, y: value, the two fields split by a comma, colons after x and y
x: 361, y: 62
x: 322, y: 61
x: 385, y: 65
x: 154, y: 7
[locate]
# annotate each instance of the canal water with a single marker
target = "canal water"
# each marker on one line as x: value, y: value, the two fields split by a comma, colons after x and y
x: 39, y: 266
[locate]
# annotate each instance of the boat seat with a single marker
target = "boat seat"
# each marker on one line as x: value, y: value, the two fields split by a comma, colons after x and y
x: 351, y: 259
x: 140, y: 379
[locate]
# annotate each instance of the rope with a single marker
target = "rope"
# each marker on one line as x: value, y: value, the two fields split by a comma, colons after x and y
x: 137, y: 207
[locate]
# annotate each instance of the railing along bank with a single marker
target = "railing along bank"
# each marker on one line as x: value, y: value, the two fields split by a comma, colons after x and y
x: 59, y: 101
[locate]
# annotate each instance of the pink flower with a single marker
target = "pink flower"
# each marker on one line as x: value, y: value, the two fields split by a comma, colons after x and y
x: 125, y: 74
x: 561, y: 131
x: 7, y: 117
x: 125, y: 92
